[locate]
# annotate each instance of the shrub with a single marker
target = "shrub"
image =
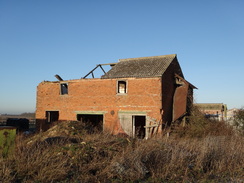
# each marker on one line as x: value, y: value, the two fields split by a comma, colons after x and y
x: 198, y: 127
x: 239, y: 119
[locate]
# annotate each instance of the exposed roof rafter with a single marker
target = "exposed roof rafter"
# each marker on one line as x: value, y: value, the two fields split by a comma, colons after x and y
x: 99, y: 65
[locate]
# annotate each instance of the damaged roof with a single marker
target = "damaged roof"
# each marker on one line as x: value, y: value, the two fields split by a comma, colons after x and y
x: 140, y: 67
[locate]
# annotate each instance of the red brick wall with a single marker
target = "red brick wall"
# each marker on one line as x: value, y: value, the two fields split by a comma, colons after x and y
x: 144, y: 94
x: 168, y: 90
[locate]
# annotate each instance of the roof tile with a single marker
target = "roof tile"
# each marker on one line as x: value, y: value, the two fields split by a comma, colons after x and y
x: 140, y: 67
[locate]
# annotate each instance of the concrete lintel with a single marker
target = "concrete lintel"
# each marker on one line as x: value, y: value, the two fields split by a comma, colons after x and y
x: 133, y: 112
x: 91, y: 112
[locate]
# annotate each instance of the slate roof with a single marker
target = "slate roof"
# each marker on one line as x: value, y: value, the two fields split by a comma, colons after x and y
x: 140, y: 67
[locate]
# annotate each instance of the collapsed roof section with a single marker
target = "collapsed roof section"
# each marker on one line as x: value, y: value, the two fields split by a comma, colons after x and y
x: 141, y: 67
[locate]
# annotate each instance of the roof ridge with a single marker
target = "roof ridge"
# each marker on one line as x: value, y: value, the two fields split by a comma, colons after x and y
x: 149, y: 57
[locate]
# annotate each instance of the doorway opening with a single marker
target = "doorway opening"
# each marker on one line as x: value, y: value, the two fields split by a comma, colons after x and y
x: 92, y: 122
x: 139, y: 126
x: 52, y: 116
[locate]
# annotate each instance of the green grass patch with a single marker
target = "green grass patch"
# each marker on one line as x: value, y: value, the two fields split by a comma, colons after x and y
x: 7, y: 140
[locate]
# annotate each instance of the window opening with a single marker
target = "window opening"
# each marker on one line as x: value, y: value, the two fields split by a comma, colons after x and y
x: 64, y: 88
x: 122, y: 87
x: 92, y: 122
x: 52, y: 116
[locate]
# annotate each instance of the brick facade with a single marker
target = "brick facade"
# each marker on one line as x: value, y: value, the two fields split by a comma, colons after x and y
x: 122, y: 105
x: 99, y: 96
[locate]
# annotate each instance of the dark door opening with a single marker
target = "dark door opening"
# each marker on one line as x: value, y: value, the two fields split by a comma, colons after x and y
x: 92, y: 122
x: 52, y: 116
x: 139, y: 126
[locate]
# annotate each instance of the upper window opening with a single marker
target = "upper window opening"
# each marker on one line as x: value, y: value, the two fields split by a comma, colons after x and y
x: 122, y: 87
x: 64, y: 88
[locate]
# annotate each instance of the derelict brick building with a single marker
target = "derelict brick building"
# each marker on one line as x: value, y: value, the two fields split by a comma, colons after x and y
x: 132, y: 98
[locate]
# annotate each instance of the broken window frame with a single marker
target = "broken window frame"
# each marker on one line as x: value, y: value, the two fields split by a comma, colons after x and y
x: 120, y: 90
x: 52, y: 116
x: 64, y: 89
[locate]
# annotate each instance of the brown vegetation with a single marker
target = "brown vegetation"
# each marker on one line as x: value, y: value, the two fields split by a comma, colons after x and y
x: 239, y: 120
x: 200, y: 152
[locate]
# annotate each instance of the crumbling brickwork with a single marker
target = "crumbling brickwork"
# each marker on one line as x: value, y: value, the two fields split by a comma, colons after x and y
x: 99, y: 96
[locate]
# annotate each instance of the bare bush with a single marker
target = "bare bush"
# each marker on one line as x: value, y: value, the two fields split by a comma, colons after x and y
x: 239, y: 120
x: 102, y: 157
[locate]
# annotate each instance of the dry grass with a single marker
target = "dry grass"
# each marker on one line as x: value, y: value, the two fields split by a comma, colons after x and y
x: 75, y: 156
x: 184, y: 160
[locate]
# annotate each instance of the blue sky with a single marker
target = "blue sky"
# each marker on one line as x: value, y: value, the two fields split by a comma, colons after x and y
x: 41, y: 38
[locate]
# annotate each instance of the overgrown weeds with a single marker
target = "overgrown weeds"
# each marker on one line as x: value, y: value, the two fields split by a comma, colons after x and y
x: 66, y: 154
x: 199, y: 127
